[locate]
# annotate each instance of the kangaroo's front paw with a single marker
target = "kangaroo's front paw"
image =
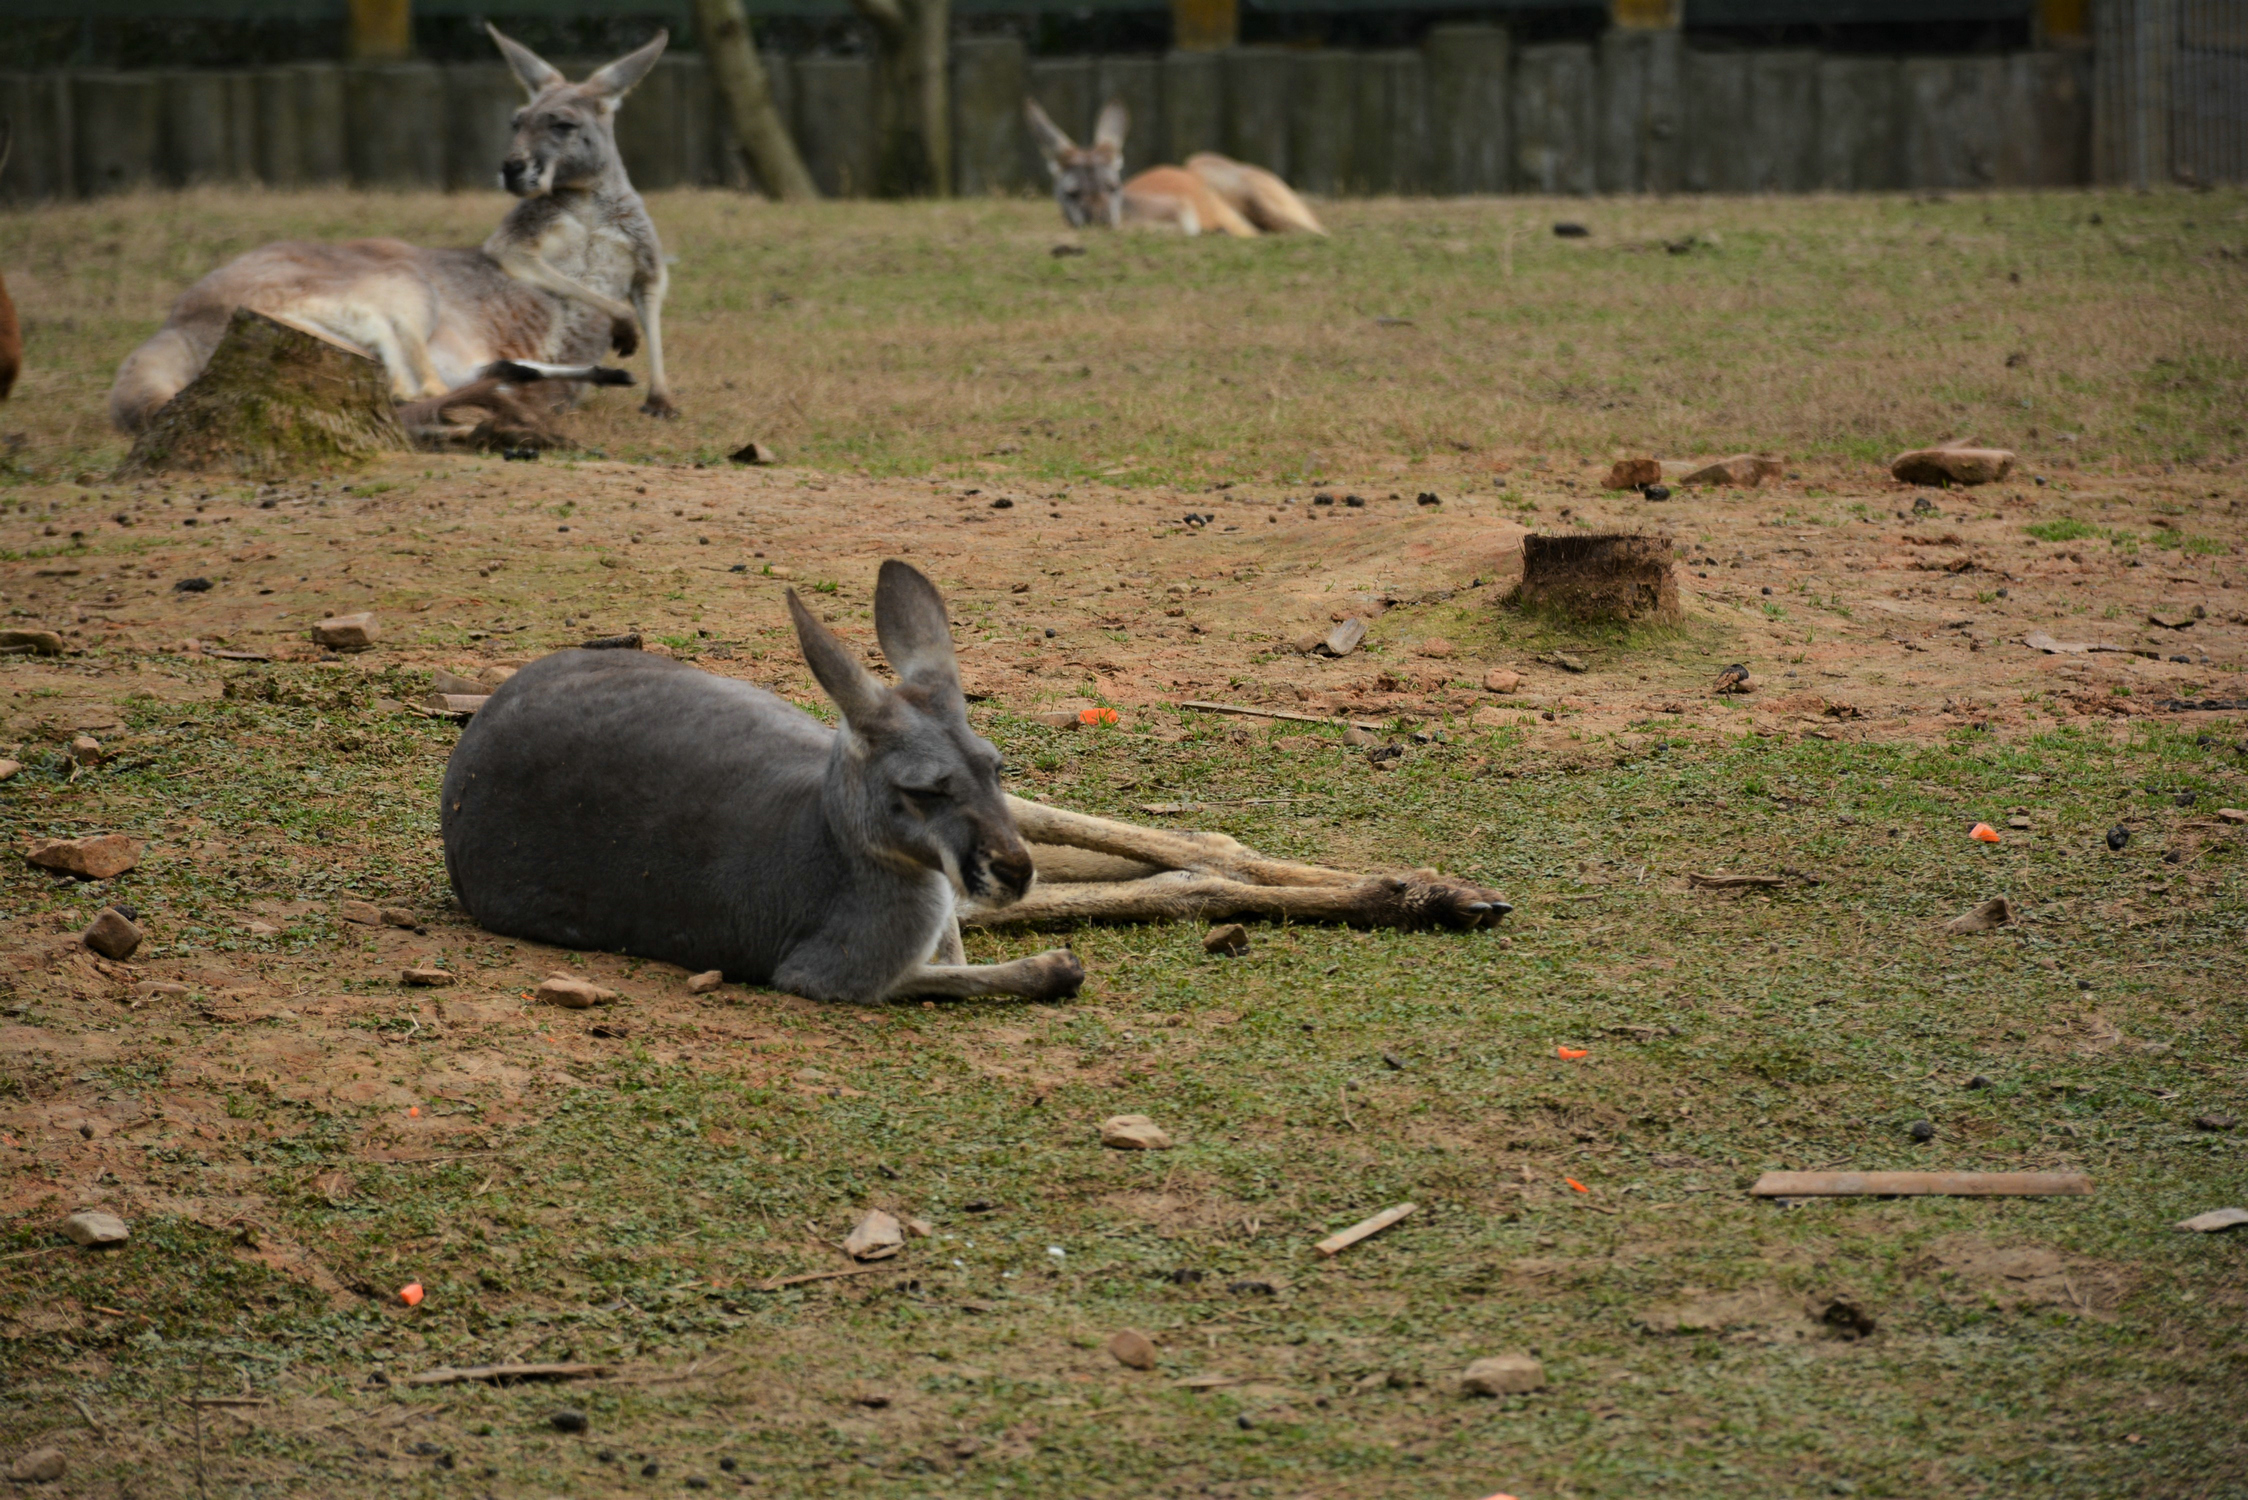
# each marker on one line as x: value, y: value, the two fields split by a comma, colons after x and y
x: 624, y: 335
x: 660, y: 406
x: 1060, y: 976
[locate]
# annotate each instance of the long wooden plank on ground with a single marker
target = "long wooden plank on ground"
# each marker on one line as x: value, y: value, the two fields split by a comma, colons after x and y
x: 1922, y: 1184
x: 1343, y: 1239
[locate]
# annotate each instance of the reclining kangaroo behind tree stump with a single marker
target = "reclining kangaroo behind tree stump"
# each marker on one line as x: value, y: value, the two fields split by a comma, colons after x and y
x: 613, y: 800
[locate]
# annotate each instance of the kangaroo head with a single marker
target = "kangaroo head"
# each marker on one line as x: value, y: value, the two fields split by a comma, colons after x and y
x: 912, y: 782
x: 1088, y: 182
x: 566, y: 138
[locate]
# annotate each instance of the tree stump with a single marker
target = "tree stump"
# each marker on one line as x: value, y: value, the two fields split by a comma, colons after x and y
x: 273, y: 401
x: 1619, y: 576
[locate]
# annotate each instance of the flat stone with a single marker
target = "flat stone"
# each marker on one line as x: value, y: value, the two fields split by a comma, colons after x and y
x: 1633, y: 473
x: 10, y: 769
x: 1132, y: 1349
x: 366, y: 913
x: 2215, y: 1122
x: 1345, y: 637
x: 1500, y: 680
x: 347, y: 632
x: 705, y: 982
x: 877, y: 1236
x: 112, y: 934
x: 36, y: 642
x: 432, y: 978
x: 99, y: 857
x: 1745, y: 470
x: 573, y: 994
x: 1435, y: 648
x: 1503, y: 1375
x: 85, y: 750
x: 1134, y: 1133
x: 1949, y: 465
x: 398, y: 916
x: 1228, y: 938
x: 93, y: 1227
x: 1995, y: 913
x: 39, y: 1466
x: 160, y: 989
x: 2224, y: 814
x: 2213, y: 1221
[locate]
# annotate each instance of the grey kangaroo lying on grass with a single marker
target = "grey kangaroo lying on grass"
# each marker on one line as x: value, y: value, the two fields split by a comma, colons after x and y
x: 613, y: 800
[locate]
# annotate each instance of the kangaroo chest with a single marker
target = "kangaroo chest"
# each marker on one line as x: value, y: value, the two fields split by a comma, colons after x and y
x: 600, y: 254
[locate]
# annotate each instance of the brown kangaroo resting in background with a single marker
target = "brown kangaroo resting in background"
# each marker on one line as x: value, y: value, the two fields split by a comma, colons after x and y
x: 607, y: 799
x: 1211, y: 194
x: 573, y: 269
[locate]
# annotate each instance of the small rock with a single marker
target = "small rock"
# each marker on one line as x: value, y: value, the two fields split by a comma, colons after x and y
x: 365, y: 913
x: 1345, y: 637
x: 568, y: 1419
x: 1436, y: 648
x: 2214, y: 1122
x: 754, y: 453
x: 1952, y: 465
x: 1228, y: 938
x: 39, y: 1466
x: 1134, y: 1133
x: 1921, y: 1130
x: 1568, y: 230
x: 2118, y: 836
x: 1503, y: 1375
x: 1634, y: 473
x: 1567, y: 663
x: 39, y: 642
x: 2224, y: 814
x: 10, y: 769
x: 428, y: 976
x: 1990, y: 915
x: 398, y: 916
x: 347, y: 632
x: 1745, y: 470
x: 191, y: 586
x: 2214, y: 1220
x: 1978, y: 1082
x: 1845, y: 1314
x: 877, y: 1236
x: 705, y: 982
x: 573, y: 994
x: 1657, y: 492
x: 1361, y: 738
x: 1396, y: 1064
x: 152, y: 989
x: 112, y: 934
x: 91, y: 1227
x: 102, y: 856
x: 1133, y: 1350
x: 85, y: 750
x: 1500, y: 680
x: 2017, y: 823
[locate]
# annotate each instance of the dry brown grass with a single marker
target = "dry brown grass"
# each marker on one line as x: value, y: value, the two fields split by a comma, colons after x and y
x: 910, y: 338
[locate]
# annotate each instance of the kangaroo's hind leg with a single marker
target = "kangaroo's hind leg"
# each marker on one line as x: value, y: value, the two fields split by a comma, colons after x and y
x: 1053, y: 975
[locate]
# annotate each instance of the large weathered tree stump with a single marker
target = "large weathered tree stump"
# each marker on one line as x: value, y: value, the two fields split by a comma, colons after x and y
x: 273, y: 401
x: 1619, y: 576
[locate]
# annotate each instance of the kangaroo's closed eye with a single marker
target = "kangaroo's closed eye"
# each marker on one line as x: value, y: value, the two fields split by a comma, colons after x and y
x: 565, y: 126
x: 925, y: 796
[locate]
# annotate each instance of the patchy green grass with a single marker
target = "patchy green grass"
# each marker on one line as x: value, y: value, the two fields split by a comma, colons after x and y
x: 629, y: 1203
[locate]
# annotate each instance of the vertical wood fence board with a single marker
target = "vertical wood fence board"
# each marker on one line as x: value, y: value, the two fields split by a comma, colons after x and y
x: 322, y: 123
x: 198, y: 138
x: 480, y: 102
x: 1952, y: 121
x: 2062, y: 93
x: 1470, y: 123
x: 1258, y: 82
x: 117, y: 124
x: 274, y: 107
x: 39, y: 168
x: 1193, y: 106
x: 835, y: 123
x: 1138, y: 83
x: 1783, y: 121
x: 1555, y: 121
x: 1390, y: 155
x: 1859, y: 144
x: 388, y: 109
x: 1717, y: 124
x: 1323, y: 129
x: 990, y: 75
x: 649, y: 134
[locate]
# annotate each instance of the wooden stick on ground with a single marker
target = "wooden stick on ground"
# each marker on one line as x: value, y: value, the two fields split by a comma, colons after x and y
x: 1733, y: 882
x: 784, y: 1281
x: 1922, y: 1184
x: 500, y: 1374
x: 1274, y: 713
x: 1343, y: 1239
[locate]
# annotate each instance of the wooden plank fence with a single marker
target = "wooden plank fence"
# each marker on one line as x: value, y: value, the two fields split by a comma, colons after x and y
x: 1467, y: 112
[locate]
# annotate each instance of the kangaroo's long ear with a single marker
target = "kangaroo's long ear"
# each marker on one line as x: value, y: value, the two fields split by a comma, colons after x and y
x: 534, y: 72
x: 1052, y: 143
x: 1108, y: 133
x: 909, y: 621
x: 613, y: 81
x: 856, y: 691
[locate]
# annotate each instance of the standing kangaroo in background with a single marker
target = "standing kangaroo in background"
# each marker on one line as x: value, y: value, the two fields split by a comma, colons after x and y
x: 574, y: 269
x: 1210, y: 194
x: 608, y: 799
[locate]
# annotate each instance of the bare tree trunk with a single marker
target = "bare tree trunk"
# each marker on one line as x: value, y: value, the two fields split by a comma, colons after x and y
x: 912, y: 96
x: 742, y: 84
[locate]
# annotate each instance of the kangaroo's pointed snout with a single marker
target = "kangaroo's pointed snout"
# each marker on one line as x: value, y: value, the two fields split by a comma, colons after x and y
x: 1011, y: 868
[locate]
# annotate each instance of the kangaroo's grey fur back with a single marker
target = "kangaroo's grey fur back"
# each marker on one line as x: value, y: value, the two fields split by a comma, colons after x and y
x: 610, y: 799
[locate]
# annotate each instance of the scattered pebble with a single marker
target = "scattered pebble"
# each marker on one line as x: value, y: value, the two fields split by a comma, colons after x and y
x: 877, y: 1236
x: 2214, y: 1122
x: 354, y: 632
x: 572, y: 993
x: 428, y: 977
x: 102, y: 856
x: 705, y: 982
x: 2118, y: 836
x: 113, y: 935
x: 568, y: 1419
x: 1921, y: 1130
x: 1134, y: 1133
x: 91, y: 1228
x: 1228, y: 938
x: 1503, y: 1375
x: 39, y: 1466
x: 1133, y: 1349
x: 1978, y: 1082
